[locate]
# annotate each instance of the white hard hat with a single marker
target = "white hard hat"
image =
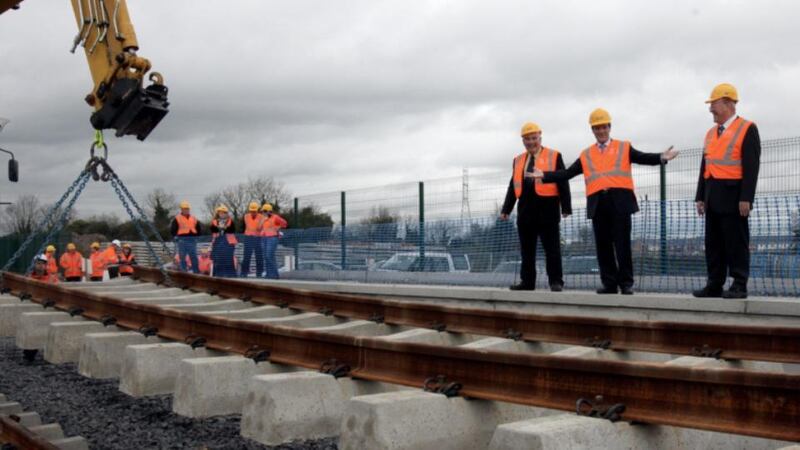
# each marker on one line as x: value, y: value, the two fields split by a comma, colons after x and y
x: 41, y: 257
x: 117, y: 242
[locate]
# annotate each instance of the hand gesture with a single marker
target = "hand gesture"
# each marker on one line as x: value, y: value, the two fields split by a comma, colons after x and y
x: 701, y: 208
x: 503, y: 216
x: 744, y: 209
x: 669, y: 154
x: 537, y: 173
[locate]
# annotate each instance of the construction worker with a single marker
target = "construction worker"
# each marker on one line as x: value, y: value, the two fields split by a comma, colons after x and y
x: 98, y: 263
x: 541, y: 206
x: 726, y: 189
x: 223, y: 243
x: 126, y: 261
x: 111, y: 258
x: 52, y: 265
x: 72, y: 263
x: 205, y: 261
x: 271, y: 232
x: 610, y: 202
x: 185, y: 228
x: 40, y: 271
x: 252, y: 224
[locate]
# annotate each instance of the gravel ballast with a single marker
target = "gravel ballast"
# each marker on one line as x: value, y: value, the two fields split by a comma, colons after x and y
x: 109, y: 419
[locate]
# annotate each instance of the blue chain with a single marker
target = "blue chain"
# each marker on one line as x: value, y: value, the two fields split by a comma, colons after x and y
x: 79, y: 184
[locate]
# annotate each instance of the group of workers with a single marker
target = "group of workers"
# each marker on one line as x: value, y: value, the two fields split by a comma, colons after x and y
x: 725, y: 193
x: 261, y: 229
x: 117, y: 259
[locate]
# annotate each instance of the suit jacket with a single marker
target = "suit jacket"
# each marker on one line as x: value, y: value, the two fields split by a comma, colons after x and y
x: 723, y: 196
x: 532, y: 206
x: 624, y: 200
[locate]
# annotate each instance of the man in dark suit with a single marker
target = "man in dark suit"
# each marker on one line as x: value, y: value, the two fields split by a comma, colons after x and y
x: 725, y: 192
x: 606, y: 167
x: 540, y: 208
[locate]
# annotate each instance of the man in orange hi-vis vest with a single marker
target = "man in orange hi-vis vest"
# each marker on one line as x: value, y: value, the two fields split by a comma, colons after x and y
x: 185, y: 228
x: 540, y: 207
x: 610, y: 199
x: 252, y: 224
x: 271, y: 233
x: 726, y: 189
x: 72, y: 263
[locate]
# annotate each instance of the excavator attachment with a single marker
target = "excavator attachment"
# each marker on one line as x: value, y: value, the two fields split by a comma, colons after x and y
x: 121, y: 101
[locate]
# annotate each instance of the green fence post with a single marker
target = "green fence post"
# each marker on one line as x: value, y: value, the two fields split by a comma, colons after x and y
x: 663, y: 228
x: 297, y: 235
x: 421, y: 225
x: 344, y: 237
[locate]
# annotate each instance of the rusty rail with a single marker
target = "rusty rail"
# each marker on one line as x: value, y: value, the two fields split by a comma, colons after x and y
x: 725, y: 400
x: 732, y: 342
x: 15, y: 434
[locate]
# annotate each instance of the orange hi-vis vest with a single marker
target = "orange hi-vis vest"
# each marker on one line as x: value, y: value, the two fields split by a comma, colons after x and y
x: 272, y: 224
x: 52, y: 266
x: 252, y: 225
x: 229, y: 236
x: 546, y: 162
x: 125, y: 263
x: 72, y: 263
x: 98, y: 263
x: 723, y: 154
x: 609, y: 169
x: 110, y: 255
x: 204, y: 264
x: 45, y: 277
x: 186, y: 225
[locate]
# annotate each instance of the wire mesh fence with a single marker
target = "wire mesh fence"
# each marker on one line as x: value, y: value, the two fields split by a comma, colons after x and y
x: 447, y: 231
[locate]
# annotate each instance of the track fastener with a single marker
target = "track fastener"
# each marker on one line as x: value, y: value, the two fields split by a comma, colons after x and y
x: 440, y: 385
x: 707, y: 352
x: 335, y: 368
x: 257, y: 354
x: 597, y: 408
x: 148, y: 330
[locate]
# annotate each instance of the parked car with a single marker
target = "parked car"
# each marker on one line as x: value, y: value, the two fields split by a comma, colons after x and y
x: 313, y: 265
x: 432, y: 262
x: 581, y: 264
x: 515, y: 266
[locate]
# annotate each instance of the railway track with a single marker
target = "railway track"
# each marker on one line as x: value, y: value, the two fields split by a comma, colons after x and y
x: 253, y: 323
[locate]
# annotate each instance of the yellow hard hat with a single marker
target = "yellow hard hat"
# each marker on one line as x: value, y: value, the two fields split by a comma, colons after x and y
x: 126, y: 245
x: 724, y: 90
x: 185, y: 205
x: 253, y: 207
x: 221, y: 208
x: 599, y: 117
x: 530, y: 127
x: 71, y: 246
x: 50, y: 249
x: 95, y: 245
x: 266, y: 207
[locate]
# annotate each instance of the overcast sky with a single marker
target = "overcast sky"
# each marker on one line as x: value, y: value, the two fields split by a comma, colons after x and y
x: 339, y: 95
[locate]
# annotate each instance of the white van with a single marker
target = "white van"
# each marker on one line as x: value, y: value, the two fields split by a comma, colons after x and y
x: 433, y: 262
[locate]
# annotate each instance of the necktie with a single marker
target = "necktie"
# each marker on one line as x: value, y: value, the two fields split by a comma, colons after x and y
x: 720, y: 129
x: 602, y: 146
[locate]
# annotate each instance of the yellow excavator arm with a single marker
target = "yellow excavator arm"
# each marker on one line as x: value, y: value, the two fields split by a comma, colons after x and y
x: 120, y: 100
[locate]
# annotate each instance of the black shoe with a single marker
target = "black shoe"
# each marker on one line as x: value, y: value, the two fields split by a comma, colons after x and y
x: 556, y: 287
x: 627, y: 290
x: 735, y: 292
x: 607, y: 290
x: 708, y: 292
x: 522, y: 287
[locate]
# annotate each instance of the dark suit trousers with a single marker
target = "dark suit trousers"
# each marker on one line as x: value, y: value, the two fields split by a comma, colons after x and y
x: 727, y: 249
x: 612, y: 238
x: 529, y: 232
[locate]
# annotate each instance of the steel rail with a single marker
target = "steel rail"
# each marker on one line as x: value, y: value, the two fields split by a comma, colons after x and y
x: 731, y: 342
x: 20, y: 437
x: 724, y: 400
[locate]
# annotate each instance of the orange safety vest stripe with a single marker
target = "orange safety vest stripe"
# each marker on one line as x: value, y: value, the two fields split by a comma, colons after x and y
x: 272, y: 224
x: 72, y: 264
x: 609, y: 169
x: 252, y: 225
x: 186, y: 225
x: 46, y: 278
x: 723, y: 154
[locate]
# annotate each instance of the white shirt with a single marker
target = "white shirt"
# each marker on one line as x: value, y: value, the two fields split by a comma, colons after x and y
x: 729, y: 121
